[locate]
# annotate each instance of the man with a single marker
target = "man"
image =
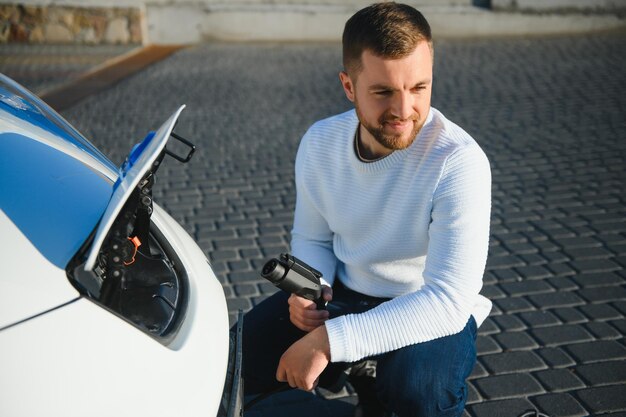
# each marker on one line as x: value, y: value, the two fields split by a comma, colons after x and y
x: 393, y: 207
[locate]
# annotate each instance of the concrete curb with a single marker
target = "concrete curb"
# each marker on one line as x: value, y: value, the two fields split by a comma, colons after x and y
x: 103, y: 76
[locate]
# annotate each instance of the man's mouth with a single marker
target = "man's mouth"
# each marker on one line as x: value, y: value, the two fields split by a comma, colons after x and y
x: 398, y: 125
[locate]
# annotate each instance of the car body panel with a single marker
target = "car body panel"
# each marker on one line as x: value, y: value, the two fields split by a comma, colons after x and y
x: 54, y: 184
x: 24, y: 113
x: 82, y: 360
x: 30, y: 284
x: 58, y: 214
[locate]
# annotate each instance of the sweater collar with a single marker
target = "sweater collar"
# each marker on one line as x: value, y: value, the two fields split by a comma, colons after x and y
x: 385, y: 162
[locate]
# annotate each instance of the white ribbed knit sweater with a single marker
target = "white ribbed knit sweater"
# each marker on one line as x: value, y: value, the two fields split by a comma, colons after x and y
x: 413, y: 225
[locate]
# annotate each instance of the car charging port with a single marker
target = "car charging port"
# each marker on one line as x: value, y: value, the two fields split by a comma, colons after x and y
x: 133, y: 275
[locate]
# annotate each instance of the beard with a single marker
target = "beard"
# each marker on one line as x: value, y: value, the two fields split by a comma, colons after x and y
x: 394, y: 142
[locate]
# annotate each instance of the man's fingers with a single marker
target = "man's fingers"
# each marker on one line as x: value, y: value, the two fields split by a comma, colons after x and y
x: 280, y: 373
x: 300, y: 302
x: 327, y: 293
x: 304, y: 315
x: 308, y: 315
x: 283, y: 376
x: 291, y: 380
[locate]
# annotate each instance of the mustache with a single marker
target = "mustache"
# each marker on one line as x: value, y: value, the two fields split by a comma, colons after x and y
x: 388, y: 117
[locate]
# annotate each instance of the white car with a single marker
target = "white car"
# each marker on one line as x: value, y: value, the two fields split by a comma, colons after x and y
x: 107, y: 306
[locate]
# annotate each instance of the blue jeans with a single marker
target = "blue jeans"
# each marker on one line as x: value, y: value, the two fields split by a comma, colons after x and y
x: 422, y: 380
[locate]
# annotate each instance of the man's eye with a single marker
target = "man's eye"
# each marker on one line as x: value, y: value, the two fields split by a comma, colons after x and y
x: 382, y: 93
x: 419, y: 88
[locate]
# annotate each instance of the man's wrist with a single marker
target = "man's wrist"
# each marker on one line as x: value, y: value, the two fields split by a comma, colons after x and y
x: 322, y: 342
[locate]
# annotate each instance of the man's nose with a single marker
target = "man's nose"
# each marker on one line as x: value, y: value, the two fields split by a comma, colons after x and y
x: 402, y: 106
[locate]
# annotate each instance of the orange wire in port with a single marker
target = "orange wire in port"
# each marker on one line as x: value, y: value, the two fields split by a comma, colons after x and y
x: 136, y: 243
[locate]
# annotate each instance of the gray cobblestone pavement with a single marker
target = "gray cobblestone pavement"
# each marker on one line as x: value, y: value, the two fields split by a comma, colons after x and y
x: 550, y: 114
x: 41, y: 67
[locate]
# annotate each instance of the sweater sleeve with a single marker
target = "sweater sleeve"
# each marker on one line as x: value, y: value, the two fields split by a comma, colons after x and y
x: 455, y: 261
x: 311, y: 237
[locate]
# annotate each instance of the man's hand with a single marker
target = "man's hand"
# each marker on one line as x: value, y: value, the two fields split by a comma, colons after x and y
x: 304, y: 361
x: 303, y: 313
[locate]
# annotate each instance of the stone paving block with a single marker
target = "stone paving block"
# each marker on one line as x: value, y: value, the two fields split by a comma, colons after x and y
x: 504, y: 408
x: 515, y: 341
x: 620, y: 325
x: 556, y: 380
x: 603, y: 294
x: 222, y: 255
x: 489, y: 278
x: 274, y: 251
x: 226, y: 244
x: 549, y: 249
x: 601, y: 350
x: 533, y: 272
x: 603, y: 399
x: 534, y: 259
x: 595, y: 266
x: 616, y: 227
x: 526, y: 287
x: 603, y: 373
x: 556, y: 299
x: 562, y: 405
x: 562, y: 283
x: 486, y: 345
x: 620, y: 305
x: 505, y: 275
x: 576, y: 242
x: 620, y: 250
x: 267, y: 289
x: 504, y: 262
x: 250, y: 253
x: 238, y: 265
x: 488, y: 327
x: 508, y: 386
x: 246, y: 290
x: 479, y: 370
x: 561, y: 268
x: 581, y: 254
x: 509, y: 362
x: 514, y: 304
x: 472, y: 395
x: 492, y: 292
x: 243, y: 276
x: 603, y: 331
x: 509, y: 322
x: 570, y: 315
x: 522, y: 248
x: 511, y: 238
x: 561, y: 335
x: 537, y: 319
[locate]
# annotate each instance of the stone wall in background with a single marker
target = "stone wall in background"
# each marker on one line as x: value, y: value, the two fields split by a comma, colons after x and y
x: 61, y: 24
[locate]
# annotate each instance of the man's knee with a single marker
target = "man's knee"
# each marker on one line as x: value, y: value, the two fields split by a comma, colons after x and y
x: 424, y: 396
x: 428, y: 379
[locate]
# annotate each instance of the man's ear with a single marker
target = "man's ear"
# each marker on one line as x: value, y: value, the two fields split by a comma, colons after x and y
x: 347, y: 84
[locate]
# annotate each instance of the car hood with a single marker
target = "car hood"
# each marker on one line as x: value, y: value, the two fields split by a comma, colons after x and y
x: 54, y: 184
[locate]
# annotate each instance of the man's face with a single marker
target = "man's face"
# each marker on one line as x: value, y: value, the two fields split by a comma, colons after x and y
x: 392, y: 99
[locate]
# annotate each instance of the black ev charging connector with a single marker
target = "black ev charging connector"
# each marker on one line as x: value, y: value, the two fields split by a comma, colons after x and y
x: 292, y: 275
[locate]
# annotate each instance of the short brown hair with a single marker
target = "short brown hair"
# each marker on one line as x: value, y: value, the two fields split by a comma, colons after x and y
x: 389, y: 30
